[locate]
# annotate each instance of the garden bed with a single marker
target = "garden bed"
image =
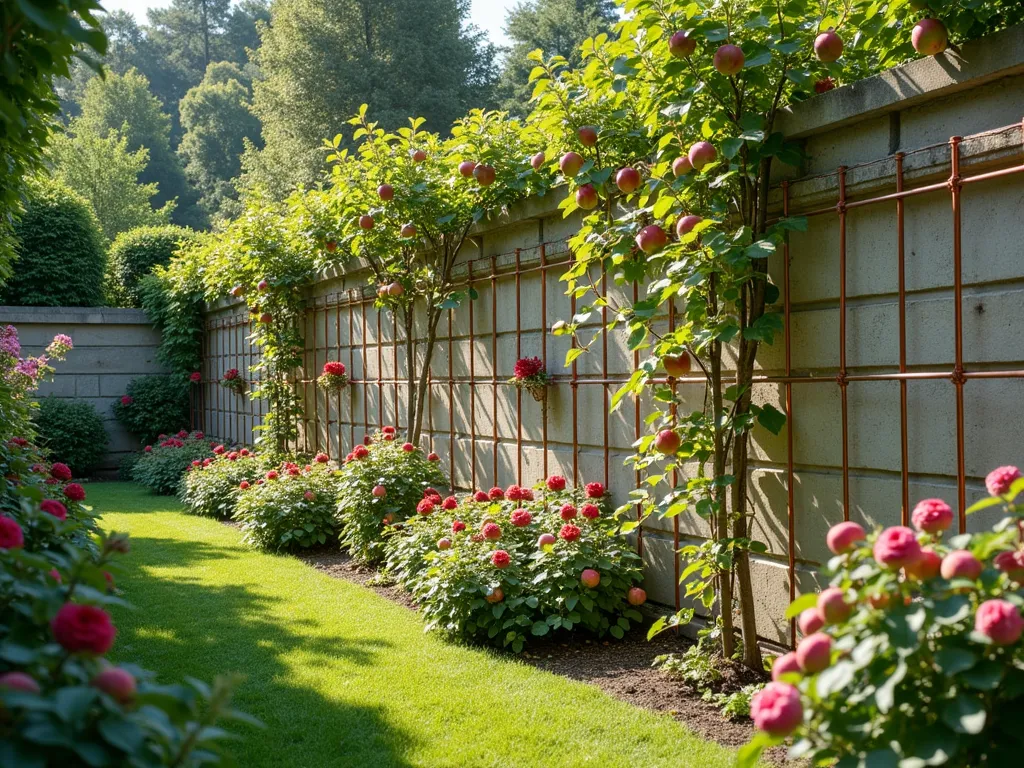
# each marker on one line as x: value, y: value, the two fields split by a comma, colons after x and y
x: 621, y: 668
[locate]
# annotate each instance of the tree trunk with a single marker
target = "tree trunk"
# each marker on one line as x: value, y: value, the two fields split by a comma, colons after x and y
x: 434, y: 316
x: 408, y: 319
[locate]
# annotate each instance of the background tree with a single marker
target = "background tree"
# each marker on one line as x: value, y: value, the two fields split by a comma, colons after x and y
x: 217, y: 121
x: 125, y: 104
x: 105, y: 173
x: 38, y: 43
x: 557, y: 27
x: 135, y: 253
x: 320, y: 59
x: 60, y: 252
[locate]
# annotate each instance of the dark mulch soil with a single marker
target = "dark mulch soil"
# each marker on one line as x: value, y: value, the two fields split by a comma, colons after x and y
x: 621, y: 668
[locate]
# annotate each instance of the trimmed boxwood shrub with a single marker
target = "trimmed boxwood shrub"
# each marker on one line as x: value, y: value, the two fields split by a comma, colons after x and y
x: 72, y: 432
x: 152, y: 405
x: 402, y: 473
x: 134, y: 254
x: 212, y: 489
x: 61, y: 257
x: 162, y: 467
x: 479, y: 570
x: 289, y: 508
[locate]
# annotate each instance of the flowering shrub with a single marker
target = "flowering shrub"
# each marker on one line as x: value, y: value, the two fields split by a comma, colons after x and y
x: 333, y: 377
x: 531, y: 376
x: 153, y: 405
x: 381, y: 487
x: 233, y: 380
x: 72, y: 432
x: 508, y: 569
x: 161, y: 468
x: 290, y: 508
x: 913, y: 654
x: 211, y: 487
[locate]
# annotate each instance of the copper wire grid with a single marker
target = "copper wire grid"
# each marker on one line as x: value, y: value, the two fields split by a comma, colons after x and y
x: 353, y: 306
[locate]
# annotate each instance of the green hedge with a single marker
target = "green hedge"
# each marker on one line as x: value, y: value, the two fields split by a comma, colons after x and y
x: 152, y: 405
x: 73, y: 433
x: 61, y: 259
x: 134, y: 254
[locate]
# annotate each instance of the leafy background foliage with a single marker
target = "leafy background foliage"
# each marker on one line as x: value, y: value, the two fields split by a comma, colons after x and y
x: 160, y: 405
x: 135, y: 253
x: 72, y: 432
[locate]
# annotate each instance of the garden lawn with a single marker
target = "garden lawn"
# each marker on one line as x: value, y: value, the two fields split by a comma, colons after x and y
x: 344, y: 677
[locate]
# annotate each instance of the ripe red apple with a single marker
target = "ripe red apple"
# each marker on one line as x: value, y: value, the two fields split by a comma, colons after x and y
x: 418, y: 155
x: 366, y: 222
x: 701, y: 154
x: 636, y: 596
x: 628, y: 180
x: 537, y: 161
x: 587, y: 135
x: 667, y: 442
x: 961, y: 564
x: 651, y: 239
x: 484, y: 175
x: 681, y: 44
x: 238, y: 291
x: 116, y: 683
x: 590, y: 578
x: 380, y: 491
x: 586, y: 197
x: 570, y: 163
x: 833, y: 607
x: 382, y: 291
x: 677, y: 367
x: 386, y: 192
x: 262, y: 286
x: 681, y: 166
x: 266, y: 317
x: 466, y: 168
x: 396, y: 289
x: 686, y: 224
x: 728, y: 60
x: 444, y: 543
x: 496, y: 595
x: 546, y: 541
x: 828, y: 46
x: 408, y: 230
x: 929, y: 37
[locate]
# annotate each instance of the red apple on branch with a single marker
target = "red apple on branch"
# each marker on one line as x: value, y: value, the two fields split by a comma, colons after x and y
x: 537, y: 161
x: 667, y: 442
x: 570, y: 163
x: 828, y: 46
x: 366, y: 222
x: 677, y: 367
x: 586, y: 197
x: 628, y: 180
x: 484, y: 175
x: 681, y: 44
x: 728, y: 59
x: 686, y: 224
x: 929, y: 37
x: 651, y: 239
x: 681, y: 166
x: 418, y: 155
x: 701, y: 154
x: 396, y: 289
x: 408, y: 230
x: 587, y: 135
x: 466, y: 168
x: 385, y: 192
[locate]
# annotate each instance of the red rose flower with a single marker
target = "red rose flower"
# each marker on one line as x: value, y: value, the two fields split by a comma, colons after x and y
x: 514, y: 493
x: 74, y: 491
x: 999, y: 480
x: 495, y: 494
x: 54, y: 508
x: 824, y: 85
x: 60, y: 471
x: 408, y: 447
x: 195, y: 377
x: 334, y: 369
x: 458, y: 526
x: 481, y: 496
x: 388, y: 430
x: 595, y: 490
x: 556, y: 483
x: 527, y: 366
x: 18, y: 442
x: 425, y: 507
x: 521, y: 518
x: 83, y: 629
x: 500, y: 559
x: 11, y: 536
x: 244, y: 485
x: 126, y: 400
x: 360, y: 452
x: 198, y: 435
x: 491, y: 531
x: 183, y: 434
x: 272, y: 475
x: 570, y: 532
x: 220, y: 450
x: 149, y: 449
x: 568, y: 512
x: 450, y: 503
x: 322, y: 458
x: 48, y: 481
x: 433, y: 457
x: 527, y: 494
x: 590, y: 511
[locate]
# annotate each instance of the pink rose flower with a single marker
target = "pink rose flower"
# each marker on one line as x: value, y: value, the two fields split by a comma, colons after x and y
x: 590, y: 511
x: 54, y: 508
x: 83, y: 629
x: 556, y: 483
x: 500, y: 559
x: 11, y: 535
x: 814, y: 652
x: 932, y: 516
x: 810, y: 621
x: 999, y: 480
x: 1000, y: 621
x: 74, y: 492
x: 60, y: 471
x: 897, y: 547
x: 776, y: 709
x: 842, y: 537
x: 1011, y: 563
x: 786, y: 664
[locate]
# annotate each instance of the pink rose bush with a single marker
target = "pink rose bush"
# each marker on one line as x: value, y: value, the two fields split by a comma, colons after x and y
x: 505, y: 575
x: 213, y: 485
x: 162, y: 467
x: 914, y: 652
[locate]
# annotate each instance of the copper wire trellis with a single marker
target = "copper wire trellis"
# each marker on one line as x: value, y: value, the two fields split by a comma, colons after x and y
x: 230, y: 420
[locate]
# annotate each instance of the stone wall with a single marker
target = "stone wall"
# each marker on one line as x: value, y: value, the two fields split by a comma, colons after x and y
x: 112, y: 347
x: 911, y: 112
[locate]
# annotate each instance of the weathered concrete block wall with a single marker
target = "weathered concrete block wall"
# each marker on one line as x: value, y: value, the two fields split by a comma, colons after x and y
x: 905, y: 111
x: 112, y: 347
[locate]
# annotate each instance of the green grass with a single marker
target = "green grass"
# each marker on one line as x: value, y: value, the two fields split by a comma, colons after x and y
x: 343, y: 677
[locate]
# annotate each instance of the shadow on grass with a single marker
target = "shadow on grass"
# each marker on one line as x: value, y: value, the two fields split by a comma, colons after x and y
x: 184, y: 627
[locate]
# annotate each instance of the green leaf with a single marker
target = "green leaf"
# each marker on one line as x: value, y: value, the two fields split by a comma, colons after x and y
x: 121, y: 733
x: 965, y: 714
x: 952, y: 610
x: 953, y: 661
x: 885, y: 696
x: 986, y: 676
x: 771, y: 418
x: 616, y: 632
x: 731, y: 147
x: 977, y: 506
x: 801, y: 604
x: 540, y: 628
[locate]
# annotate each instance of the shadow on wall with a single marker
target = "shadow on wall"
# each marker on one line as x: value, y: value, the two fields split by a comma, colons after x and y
x: 233, y: 628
